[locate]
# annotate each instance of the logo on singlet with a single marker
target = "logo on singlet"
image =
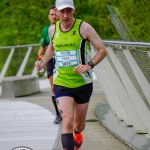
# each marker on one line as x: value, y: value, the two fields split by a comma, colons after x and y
x: 74, y: 33
x: 65, y: 45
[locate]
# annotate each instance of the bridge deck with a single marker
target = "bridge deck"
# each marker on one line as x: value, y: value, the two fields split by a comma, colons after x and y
x: 28, y: 121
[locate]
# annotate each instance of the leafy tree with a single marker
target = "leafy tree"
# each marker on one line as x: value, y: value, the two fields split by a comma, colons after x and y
x: 21, y: 22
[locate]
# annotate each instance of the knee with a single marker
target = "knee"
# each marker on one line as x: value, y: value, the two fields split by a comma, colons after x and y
x: 67, y: 123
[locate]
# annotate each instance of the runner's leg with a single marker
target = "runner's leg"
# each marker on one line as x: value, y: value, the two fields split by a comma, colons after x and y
x: 80, y: 111
x: 50, y: 67
x: 66, y: 108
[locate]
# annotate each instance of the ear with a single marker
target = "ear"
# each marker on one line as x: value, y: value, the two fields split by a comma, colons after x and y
x: 73, y: 11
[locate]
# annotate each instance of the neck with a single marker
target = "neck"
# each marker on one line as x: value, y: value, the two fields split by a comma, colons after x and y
x: 51, y: 24
x: 67, y: 26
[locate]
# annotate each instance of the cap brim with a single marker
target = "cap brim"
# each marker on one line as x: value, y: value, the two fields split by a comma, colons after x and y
x: 65, y: 6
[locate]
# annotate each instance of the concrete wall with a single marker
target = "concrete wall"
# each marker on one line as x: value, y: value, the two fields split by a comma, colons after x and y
x: 19, y: 86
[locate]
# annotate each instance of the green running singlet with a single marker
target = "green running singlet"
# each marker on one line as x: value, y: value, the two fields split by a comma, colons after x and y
x: 71, y: 50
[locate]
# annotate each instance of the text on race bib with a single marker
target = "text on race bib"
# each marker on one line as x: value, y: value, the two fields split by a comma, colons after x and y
x: 66, y: 58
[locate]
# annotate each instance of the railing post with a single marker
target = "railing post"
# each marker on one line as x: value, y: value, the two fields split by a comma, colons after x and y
x: 138, y: 103
x: 6, y: 65
x: 148, y: 53
x: 145, y: 86
x: 24, y: 62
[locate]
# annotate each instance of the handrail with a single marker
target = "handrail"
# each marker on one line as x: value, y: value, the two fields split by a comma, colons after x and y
x: 124, y: 43
x: 108, y: 42
x: 18, y: 46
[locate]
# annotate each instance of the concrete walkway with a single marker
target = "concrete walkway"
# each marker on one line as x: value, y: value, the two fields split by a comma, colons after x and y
x: 96, y: 137
x: 28, y: 122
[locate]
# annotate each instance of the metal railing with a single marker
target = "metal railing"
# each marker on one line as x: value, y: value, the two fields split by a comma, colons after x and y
x: 30, y: 47
x: 124, y: 76
x: 12, y: 49
x: 125, y: 79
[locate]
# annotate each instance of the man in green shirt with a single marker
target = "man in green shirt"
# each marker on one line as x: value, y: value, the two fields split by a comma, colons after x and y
x: 44, y: 42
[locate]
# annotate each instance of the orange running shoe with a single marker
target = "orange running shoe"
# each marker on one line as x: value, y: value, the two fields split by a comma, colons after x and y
x: 78, y: 140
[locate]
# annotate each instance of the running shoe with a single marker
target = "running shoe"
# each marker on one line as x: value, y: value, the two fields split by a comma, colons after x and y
x: 78, y: 140
x: 57, y: 120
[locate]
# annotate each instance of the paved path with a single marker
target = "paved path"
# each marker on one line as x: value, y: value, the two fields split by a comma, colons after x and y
x: 96, y: 137
x: 28, y: 121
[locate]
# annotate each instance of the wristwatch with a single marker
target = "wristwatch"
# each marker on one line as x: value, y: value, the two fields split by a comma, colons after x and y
x: 90, y: 63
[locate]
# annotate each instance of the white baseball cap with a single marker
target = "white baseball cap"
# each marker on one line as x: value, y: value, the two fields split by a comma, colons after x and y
x: 61, y: 4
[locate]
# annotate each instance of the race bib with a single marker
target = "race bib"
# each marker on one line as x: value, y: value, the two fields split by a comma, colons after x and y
x: 66, y: 58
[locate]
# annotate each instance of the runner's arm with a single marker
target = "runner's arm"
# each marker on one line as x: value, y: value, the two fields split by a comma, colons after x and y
x: 89, y: 33
x: 50, y: 49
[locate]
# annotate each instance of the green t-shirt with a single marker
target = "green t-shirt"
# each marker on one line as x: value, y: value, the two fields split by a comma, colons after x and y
x: 45, y: 40
x: 71, y: 50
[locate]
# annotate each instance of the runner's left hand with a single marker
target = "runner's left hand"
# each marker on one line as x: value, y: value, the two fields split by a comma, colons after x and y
x: 82, y: 68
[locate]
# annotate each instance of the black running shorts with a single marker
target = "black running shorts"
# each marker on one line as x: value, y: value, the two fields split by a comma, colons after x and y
x: 80, y: 94
x: 50, y: 67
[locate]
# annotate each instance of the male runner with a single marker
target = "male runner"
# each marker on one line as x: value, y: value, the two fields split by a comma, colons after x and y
x: 44, y: 42
x: 73, y: 84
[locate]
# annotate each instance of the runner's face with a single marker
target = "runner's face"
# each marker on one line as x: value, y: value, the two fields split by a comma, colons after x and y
x: 53, y: 18
x: 66, y: 15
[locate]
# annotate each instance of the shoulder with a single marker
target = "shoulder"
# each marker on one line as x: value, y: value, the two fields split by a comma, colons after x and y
x: 85, y: 29
x: 85, y: 25
x: 51, y: 30
x: 53, y: 27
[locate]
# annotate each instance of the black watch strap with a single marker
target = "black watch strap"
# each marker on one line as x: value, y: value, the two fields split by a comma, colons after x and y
x: 90, y: 63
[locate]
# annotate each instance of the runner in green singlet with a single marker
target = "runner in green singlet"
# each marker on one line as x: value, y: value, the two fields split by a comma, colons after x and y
x: 73, y: 86
x: 44, y: 42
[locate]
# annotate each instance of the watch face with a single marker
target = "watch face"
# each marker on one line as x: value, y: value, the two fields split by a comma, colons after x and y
x: 91, y: 64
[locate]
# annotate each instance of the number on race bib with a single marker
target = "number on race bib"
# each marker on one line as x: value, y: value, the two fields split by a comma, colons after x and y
x: 66, y: 58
